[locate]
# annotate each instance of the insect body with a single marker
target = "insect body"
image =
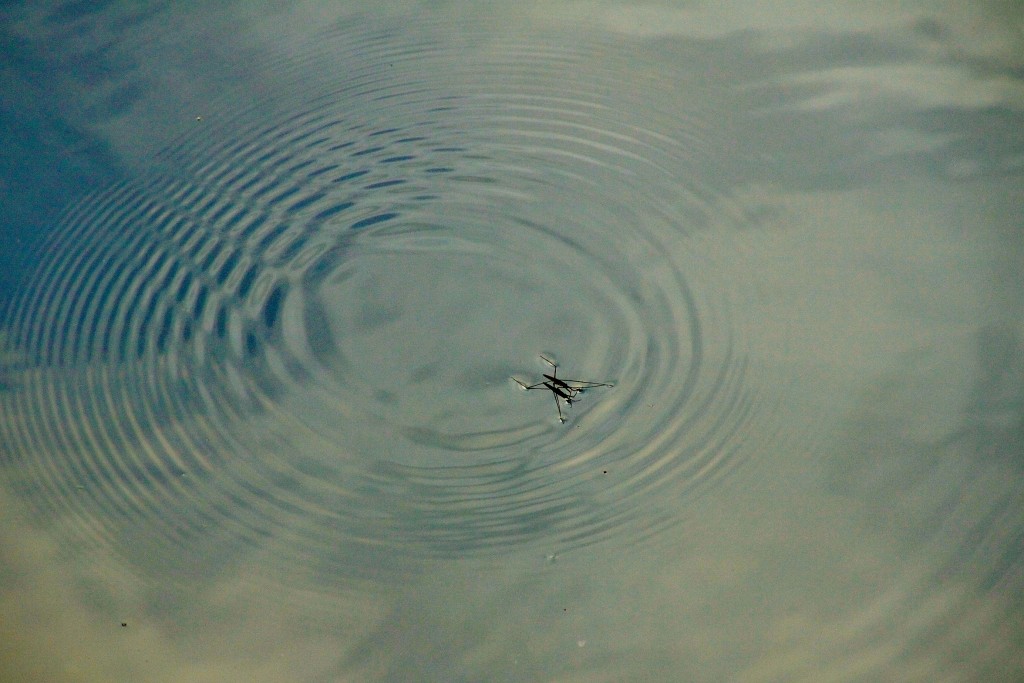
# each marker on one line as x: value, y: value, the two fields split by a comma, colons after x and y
x: 565, y: 389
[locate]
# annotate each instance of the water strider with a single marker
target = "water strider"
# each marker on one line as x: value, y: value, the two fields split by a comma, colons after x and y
x: 565, y: 389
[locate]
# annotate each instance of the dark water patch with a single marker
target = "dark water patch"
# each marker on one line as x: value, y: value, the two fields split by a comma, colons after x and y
x: 289, y: 254
x: 385, y: 183
x: 349, y: 176
x: 272, y: 308
x: 333, y: 210
x: 373, y: 220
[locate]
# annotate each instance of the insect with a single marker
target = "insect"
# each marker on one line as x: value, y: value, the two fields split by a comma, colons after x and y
x: 562, y: 389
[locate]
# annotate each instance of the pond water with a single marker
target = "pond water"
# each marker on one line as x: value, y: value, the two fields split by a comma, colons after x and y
x: 276, y: 273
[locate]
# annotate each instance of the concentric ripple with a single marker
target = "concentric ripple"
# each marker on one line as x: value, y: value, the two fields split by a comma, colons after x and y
x: 296, y: 334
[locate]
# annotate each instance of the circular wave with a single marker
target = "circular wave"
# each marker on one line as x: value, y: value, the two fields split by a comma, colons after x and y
x: 300, y: 330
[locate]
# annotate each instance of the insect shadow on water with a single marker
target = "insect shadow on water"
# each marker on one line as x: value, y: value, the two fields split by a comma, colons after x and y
x: 562, y: 389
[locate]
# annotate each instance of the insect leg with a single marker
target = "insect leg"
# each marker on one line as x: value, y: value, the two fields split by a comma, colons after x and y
x: 582, y: 384
x: 538, y: 385
x: 558, y: 407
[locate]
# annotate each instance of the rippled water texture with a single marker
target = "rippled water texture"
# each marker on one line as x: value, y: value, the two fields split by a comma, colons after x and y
x: 306, y: 322
x: 289, y: 341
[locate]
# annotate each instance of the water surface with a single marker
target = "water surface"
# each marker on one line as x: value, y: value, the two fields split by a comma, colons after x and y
x: 272, y: 273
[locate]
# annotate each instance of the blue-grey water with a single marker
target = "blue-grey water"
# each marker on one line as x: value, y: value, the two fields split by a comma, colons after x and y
x: 273, y: 273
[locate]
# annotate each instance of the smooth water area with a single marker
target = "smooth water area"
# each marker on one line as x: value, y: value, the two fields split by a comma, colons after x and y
x: 275, y: 274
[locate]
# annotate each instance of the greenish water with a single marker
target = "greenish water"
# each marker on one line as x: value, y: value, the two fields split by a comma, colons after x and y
x: 274, y: 272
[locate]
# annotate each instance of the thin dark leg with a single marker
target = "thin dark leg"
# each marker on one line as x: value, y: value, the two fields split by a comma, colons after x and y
x: 538, y: 385
x: 558, y: 407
